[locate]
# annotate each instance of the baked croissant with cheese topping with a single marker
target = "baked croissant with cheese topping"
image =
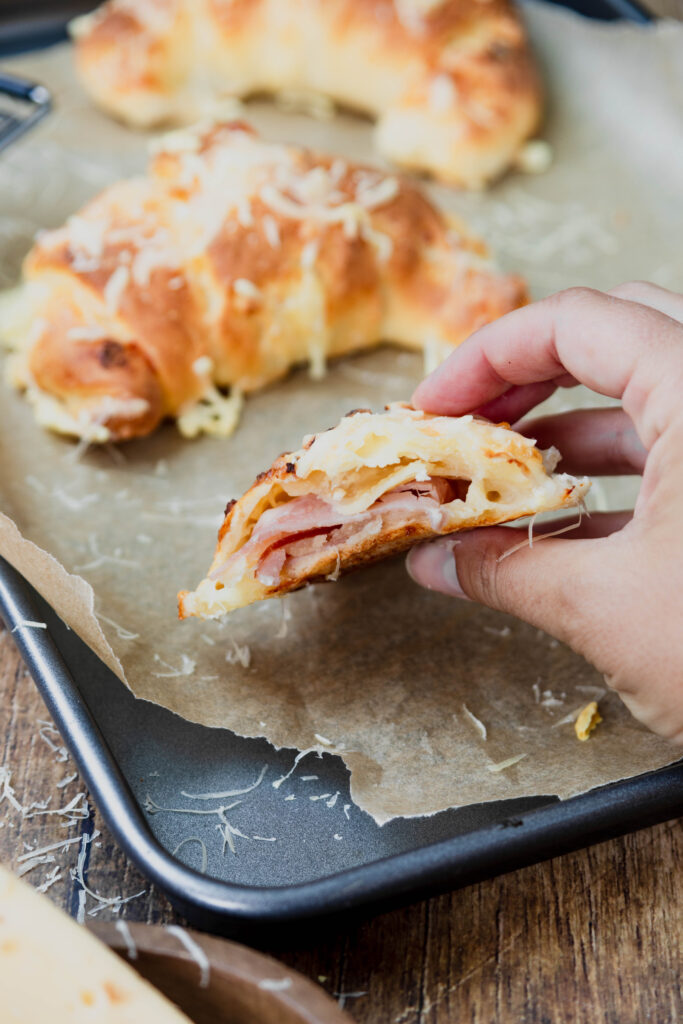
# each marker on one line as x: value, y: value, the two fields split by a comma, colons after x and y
x: 374, y: 485
x: 452, y: 83
x: 231, y: 261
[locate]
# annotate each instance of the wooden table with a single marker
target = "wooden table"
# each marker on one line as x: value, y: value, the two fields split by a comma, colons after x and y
x: 594, y: 936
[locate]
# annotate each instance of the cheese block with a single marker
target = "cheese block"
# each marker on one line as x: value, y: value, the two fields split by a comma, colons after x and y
x: 53, y: 971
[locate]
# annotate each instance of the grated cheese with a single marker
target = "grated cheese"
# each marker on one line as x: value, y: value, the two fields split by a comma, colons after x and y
x: 244, y: 212
x: 214, y: 414
x: 334, y: 575
x: 299, y: 757
x: 239, y: 655
x: 187, y: 667
x: 443, y: 94
x: 378, y: 194
x: 99, y: 559
x: 508, y: 763
x: 229, y: 792
x: 275, y: 984
x: 247, y: 289
x: 271, y: 231
x: 29, y: 624
x: 535, y: 157
x: 476, y: 722
x: 53, y: 876
x: 67, y: 780
x: 123, y: 930
x: 114, y: 902
x: 121, y: 631
x: 544, y: 536
x: 568, y: 719
x: 72, y: 503
x: 195, y: 951
x: 598, y: 692
x: 34, y: 862
x: 154, y: 808
x: 286, y: 616
x: 504, y: 632
x: 203, y: 366
x: 86, y: 333
x: 60, y: 846
x: 381, y: 241
x: 115, y: 287
x: 194, y: 839
x: 309, y: 254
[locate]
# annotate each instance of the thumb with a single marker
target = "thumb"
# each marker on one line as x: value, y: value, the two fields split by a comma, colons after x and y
x: 559, y: 586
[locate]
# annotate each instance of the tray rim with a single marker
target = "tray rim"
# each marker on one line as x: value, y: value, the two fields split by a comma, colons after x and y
x: 232, y: 909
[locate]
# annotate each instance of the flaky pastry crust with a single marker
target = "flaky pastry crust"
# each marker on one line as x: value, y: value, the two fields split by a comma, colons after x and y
x: 452, y: 83
x: 373, y: 486
x: 231, y: 261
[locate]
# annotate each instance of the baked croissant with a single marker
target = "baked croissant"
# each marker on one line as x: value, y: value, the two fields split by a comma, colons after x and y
x: 452, y: 83
x: 231, y: 261
x: 374, y: 485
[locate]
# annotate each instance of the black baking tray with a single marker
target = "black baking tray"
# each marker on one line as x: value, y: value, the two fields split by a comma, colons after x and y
x: 327, y: 859
x: 126, y: 749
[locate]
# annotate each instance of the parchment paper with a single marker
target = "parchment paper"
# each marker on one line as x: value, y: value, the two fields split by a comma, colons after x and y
x: 372, y: 667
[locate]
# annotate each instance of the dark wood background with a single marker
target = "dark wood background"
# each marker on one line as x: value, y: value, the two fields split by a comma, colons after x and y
x: 594, y: 936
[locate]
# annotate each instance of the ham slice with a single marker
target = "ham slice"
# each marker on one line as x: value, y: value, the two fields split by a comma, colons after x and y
x: 290, y: 536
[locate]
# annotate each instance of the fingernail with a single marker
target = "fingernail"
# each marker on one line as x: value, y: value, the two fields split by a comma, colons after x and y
x: 433, y: 566
x: 450, y: 577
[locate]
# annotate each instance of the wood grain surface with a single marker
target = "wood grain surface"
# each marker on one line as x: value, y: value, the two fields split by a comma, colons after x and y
x: 594, y: 936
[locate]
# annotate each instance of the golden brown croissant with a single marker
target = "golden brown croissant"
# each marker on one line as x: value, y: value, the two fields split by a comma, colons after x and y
x: 374, y: 485
x: 452, y: 83
x: 232, y: 261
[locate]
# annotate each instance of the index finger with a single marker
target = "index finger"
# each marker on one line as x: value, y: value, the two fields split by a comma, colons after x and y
x: 616, y: 347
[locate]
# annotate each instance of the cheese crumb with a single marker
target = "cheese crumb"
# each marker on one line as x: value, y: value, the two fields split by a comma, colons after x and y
x: 589, y: 718
x: 535, y: 157
x: 508, y: 763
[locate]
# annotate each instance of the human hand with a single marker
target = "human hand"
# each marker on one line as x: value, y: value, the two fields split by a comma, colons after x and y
x: 613, y: 588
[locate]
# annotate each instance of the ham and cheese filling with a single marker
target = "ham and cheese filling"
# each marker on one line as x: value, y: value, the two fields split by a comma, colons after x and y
x: 287, y: 540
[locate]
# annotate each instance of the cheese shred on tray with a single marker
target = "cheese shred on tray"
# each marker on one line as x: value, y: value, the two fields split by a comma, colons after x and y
x: 373, y: 486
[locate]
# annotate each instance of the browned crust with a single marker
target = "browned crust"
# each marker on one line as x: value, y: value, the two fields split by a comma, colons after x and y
x: 165, y: 317
x: 498, y: 71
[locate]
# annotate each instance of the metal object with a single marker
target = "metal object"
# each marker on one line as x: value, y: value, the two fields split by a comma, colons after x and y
x: 22, y: 105
x: 126, y: 748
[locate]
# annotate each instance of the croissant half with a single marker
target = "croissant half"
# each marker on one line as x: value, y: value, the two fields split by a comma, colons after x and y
x: 452, y: 83
x: 371, y: 487
x: 232, y: 260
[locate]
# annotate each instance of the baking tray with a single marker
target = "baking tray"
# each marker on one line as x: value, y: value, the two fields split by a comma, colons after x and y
x: 126, y: 749
x: 323, y: 858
